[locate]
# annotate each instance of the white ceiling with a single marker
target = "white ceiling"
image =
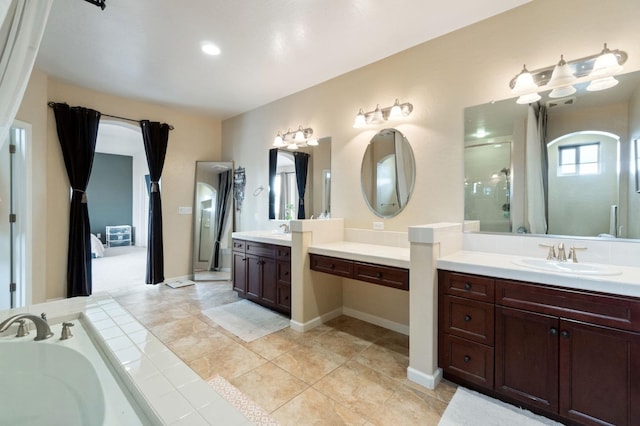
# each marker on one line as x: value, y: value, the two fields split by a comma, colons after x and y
x: 150, y: 49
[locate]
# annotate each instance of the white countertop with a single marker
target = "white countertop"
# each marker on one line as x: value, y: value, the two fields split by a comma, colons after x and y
x: 627, y: 283
x: 269, y: 237
x: 370, y: 253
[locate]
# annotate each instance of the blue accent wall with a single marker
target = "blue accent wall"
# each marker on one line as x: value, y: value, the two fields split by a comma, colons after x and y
x: 110, y: 192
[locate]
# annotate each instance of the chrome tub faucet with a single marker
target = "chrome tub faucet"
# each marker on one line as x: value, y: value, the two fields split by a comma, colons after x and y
x: 42, y: 328
x: 286, y: 228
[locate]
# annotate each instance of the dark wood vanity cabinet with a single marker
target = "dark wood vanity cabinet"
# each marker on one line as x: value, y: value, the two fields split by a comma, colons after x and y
x: 571, y: 354
x: 389, y: 276
x: 261, y: 273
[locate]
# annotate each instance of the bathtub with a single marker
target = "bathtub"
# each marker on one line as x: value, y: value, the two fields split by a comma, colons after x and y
x: 55, y: 382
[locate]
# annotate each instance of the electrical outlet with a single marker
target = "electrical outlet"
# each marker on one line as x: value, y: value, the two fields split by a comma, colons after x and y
x: 184, y: 210
x: 378, y: 226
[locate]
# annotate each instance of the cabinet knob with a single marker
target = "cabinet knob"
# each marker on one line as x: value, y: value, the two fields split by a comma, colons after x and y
x: 466, y: 358
x: 332, y: 266
x: 378, y: 274
x: 467, y: 286
x: 553, y: 331
x: 467, y: 318
x: 564, y: 334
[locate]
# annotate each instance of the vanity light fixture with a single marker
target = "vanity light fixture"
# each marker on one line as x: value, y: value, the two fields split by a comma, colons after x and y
x: 598, y: 69
x: 380, y: 115
x: 294, y: 139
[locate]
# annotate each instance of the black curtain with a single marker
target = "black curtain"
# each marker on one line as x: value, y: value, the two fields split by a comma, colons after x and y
x: 544, y: 157
x: 301, y: 162
x: 77, y: 132
x: 225, y: 183
x: 273, y: 166
x: 156, y: 138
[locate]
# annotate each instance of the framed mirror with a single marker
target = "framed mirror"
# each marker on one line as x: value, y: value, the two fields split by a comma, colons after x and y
x: 558, y: 167
x: 212, y: 221
x: 388, y: 173
x: 307, y: 166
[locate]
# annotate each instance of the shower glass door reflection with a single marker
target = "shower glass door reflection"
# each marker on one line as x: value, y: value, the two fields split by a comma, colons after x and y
x: 487, y: 186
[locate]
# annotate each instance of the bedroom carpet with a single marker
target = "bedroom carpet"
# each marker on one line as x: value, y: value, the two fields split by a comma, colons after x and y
x: 121, y: 267
x: 474, y: 409
x: 247, y: 320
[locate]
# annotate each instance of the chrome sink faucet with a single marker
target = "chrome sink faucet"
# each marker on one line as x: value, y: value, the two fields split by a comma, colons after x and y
x: 572, y: 253
x: 42, y: 328
x: 562, y: 255
x: 552, y: 251
x: 286, y: 228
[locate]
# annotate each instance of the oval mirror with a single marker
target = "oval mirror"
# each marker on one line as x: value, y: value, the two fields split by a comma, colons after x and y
x: 388, y: 173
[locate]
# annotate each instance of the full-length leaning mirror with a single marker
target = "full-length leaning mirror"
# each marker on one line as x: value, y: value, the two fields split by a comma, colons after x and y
x: 388, y: 173
x: 300, y: 182
x: 561, y: 166
x: 212, y: 221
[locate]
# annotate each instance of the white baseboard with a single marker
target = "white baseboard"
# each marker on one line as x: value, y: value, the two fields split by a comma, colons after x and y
x: 373, y: 319
x: 302, y: 327
x: 429, y: 381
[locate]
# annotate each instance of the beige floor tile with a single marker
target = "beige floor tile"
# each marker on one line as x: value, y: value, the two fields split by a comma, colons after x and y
x: 443, y: 392
x: 161, y: 315
x: 177, y: 329
x: 313, y: 408
x: 342, y: 343
x: 390, y: 361
x: 198, y: 345
x: 272, y: 345
x: 412, y: 407
x: 309, y: 363
x: 234, y: 360
x: 269, y: 386
x: 358, y: 328
x: 358, y: 387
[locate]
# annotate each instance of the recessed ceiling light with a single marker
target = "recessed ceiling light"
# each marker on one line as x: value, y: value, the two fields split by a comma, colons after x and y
x: 210, y: 48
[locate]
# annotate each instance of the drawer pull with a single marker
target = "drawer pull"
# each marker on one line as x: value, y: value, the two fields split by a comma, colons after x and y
x: 378, y: 274
x: 332, y: 266
x: 466, y: 358
x: 467, y: 318
x: 286, y: 273
x: 553, y: 331
x: 467, y: 286
x: 564, y: 334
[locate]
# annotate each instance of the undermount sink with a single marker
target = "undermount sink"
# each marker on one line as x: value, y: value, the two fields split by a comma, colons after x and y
x: 566, y: 267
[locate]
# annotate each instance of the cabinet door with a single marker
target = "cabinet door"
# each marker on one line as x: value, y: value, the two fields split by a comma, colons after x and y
x: 526, y: 353
x: 239, y: 273
x: 599, y: 374
x: 268, y: 293
x: 254, y: 276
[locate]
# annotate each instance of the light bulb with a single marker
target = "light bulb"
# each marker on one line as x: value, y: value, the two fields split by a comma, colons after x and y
x: 396, y: 111
x: 278, y: 141
x: 377, y: 117
x: 299, y: 137
x: 360, y: 121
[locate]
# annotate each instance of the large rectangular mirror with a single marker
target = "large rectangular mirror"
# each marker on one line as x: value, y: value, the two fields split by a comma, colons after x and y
x: 212, y: 221
x: 560, y: 166
x: 307, y: 166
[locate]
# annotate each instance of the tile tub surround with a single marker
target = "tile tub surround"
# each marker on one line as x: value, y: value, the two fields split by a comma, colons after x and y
x: 173, y: 392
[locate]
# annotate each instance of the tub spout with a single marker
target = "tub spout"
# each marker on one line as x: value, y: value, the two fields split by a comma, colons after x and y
x: 42, y: 328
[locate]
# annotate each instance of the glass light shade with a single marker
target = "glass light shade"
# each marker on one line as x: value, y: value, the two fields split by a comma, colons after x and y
x: 299, y: 137
x: 312, y: 142
x: 524, y: 83
x: 360, y: 121
x: 278, y: 141
x: 606, y: 65
x: 396, y: 111
x: 602, y: 84
x: 561, y: 92
x: 562, y: 75
x: 527, y: 99
x: 377, y: 117
x: 292, y: 146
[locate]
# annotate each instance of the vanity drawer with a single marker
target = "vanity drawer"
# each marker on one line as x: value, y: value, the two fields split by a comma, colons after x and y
x: 238, y: 245
x: 602, y: 309
x: 284, y: 272
x: 382, y: 275
x: 466, y: 318
x: 259, y: 249
x: 468, y: 286
x: 466, y: 360
x: 283, y: 253
x: 332, y: 265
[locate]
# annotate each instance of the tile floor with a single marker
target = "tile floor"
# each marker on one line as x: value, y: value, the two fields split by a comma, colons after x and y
x: 343, y: 372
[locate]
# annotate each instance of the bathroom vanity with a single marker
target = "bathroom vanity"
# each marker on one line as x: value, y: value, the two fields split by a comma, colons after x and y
x: 389, y: 276
x: 569, y: 353
x: 262, y: 273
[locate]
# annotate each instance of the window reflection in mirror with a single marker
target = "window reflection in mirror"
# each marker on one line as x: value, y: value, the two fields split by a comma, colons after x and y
x: 591, y: 189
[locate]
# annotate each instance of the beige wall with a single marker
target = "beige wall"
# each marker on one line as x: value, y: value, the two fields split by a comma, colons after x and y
x: 468, y: 67
x: 634, y: 133
x: 196, y: 137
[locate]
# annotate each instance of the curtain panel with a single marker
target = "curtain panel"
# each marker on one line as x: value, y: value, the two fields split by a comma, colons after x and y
x: 223, y: 201
x: 156, y: 137
x: 77, y: 129
x: 301, y: 163
x: 273, y: 166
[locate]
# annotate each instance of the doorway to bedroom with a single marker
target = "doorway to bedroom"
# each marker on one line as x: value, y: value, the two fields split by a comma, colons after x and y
x: 118, y: 208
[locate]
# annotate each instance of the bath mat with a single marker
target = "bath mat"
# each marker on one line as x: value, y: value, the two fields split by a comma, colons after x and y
x: 179, y: 283
x: 472, y: 408
x: 247, y: 320
x: 242, y: 402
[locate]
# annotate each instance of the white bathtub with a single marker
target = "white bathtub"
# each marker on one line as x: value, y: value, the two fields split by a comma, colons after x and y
x: 54, y: 382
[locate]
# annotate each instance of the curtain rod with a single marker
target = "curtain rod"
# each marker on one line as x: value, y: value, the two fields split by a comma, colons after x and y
x: 51, y: 104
